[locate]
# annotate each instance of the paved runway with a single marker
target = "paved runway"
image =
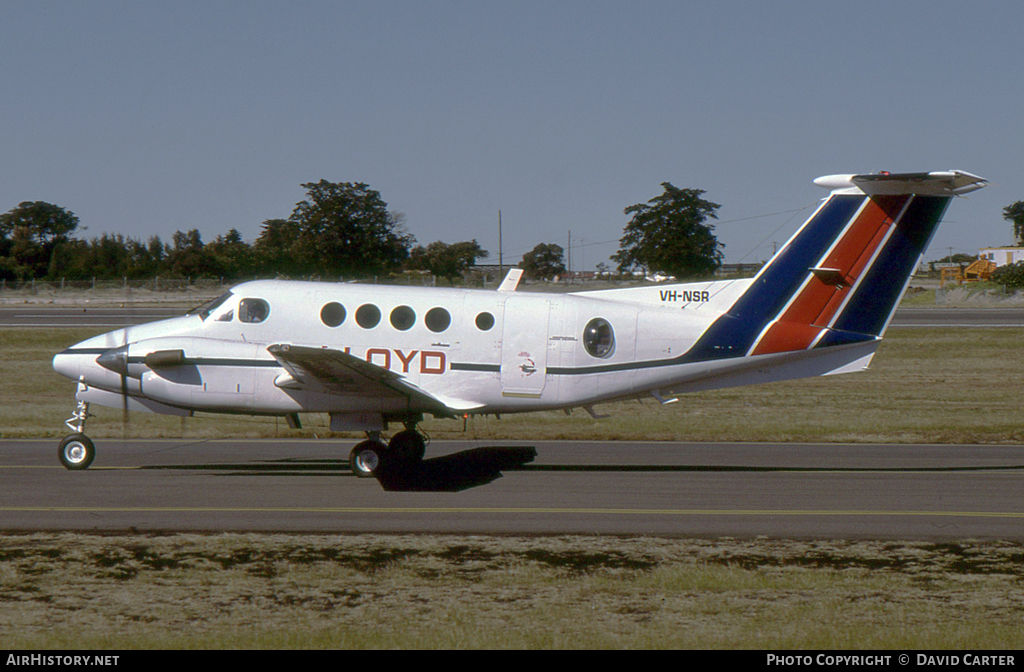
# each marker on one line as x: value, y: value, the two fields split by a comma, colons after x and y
x: 43, y: 316
x: 958, y: 317
x: 684, y: 489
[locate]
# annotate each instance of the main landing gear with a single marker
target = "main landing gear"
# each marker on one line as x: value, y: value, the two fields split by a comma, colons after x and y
x: 77, y: 451
x: 405, y: 449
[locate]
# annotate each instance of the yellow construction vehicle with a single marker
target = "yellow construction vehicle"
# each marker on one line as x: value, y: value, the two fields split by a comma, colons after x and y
x: 979, y: 269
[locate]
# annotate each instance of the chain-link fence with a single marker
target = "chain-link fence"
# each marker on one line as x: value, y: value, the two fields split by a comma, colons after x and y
x: 157, y: 284
x: 173, y: 288
x: 203, y: 286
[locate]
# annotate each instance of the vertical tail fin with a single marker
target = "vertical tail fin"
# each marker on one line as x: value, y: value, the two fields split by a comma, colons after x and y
x: 839, y: 278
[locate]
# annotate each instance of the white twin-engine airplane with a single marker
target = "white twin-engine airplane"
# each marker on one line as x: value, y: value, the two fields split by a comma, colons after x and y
x: 370, y: 355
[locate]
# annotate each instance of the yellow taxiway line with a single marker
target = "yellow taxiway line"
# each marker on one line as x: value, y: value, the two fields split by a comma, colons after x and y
x: 502, y: 510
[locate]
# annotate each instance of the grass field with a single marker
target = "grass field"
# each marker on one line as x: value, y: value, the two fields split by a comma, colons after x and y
x: 63, y: 591
x: 925, y: 385
x: 368, y: 591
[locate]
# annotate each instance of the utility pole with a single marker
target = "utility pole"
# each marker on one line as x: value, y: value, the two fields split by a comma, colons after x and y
x: 568, y: 257
x: 501, y: 258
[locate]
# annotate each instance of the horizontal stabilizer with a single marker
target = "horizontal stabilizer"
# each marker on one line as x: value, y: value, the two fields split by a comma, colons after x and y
x: 939, y: 183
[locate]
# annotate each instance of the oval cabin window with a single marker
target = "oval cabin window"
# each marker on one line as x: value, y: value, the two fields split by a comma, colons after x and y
x: 368, y: 316
x: 437, y: 320
x: 484, y: 321
x: 332, y: 314
x: 402, y: 318
x: 598, y: 338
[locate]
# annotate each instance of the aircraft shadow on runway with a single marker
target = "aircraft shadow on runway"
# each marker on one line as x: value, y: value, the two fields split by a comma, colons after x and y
x: 458, y: 471
x: 479, y: 466
x: 448, y: 473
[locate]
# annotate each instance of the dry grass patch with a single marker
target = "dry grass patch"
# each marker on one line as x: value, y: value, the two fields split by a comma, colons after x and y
x: 383, y: 591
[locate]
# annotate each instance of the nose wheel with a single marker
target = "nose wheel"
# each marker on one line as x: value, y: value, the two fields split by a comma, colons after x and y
x: 76, y: 452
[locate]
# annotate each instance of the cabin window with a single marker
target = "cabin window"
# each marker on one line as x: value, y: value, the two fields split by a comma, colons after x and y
x: 402, y: 318
x: 437, y: 319
x: 484, y: 321
x: 333, y: 314
x: 368, y: 316
x: 598, y: 338
x: 253, y: 310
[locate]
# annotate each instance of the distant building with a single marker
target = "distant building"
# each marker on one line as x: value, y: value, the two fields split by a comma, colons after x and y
x: 1002, y: 255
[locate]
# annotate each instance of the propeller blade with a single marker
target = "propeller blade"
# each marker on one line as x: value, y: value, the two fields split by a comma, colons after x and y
x: 124, y: 382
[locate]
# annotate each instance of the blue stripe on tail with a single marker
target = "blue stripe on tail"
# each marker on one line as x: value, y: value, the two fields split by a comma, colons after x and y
x: 733, y: 334
x: 873, y: 302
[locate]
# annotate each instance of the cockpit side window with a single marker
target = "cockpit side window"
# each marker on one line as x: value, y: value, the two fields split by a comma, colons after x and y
x: 253, y: 310
x: 205, y: 309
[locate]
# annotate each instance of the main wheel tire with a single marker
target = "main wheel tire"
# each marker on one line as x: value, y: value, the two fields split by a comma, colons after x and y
x: 408, y: 446
x: 76, y: 452
x: 365, y: 459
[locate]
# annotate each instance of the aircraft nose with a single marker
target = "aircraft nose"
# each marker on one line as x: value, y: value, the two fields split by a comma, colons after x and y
x: 66, y: 364
x: 115, y: 359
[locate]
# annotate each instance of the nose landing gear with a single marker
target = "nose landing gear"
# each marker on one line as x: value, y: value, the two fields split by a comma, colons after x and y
x: 77, y: 451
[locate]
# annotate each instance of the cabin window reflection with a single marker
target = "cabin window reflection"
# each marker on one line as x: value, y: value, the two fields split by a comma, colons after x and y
x: 437, y: 319
x: 253, y: 310
x: 333, y: 314
x: 598, y: 338
x: 484, y: 321
x: 402, y: 318
x: 368, y: 316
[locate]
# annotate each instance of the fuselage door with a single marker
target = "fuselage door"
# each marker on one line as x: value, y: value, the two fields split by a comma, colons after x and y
x: 524, y: 346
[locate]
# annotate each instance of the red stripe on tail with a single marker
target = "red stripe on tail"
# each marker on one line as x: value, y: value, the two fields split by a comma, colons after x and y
x: 817, y: 303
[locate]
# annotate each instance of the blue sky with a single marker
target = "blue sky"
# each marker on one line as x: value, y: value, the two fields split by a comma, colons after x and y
x: 148, y: 117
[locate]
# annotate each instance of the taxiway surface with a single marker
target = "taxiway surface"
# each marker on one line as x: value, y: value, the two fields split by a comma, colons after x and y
x: 932, y: 492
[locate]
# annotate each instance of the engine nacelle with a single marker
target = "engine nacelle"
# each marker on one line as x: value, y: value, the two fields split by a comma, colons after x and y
x: 201, y: 373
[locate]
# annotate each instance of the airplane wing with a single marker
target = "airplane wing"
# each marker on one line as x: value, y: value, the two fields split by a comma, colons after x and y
x: 343, y: 374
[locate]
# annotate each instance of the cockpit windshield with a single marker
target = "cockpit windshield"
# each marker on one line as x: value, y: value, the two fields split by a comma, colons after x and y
x: 205, y: 309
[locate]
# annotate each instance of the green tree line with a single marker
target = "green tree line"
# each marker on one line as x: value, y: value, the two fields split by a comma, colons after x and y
x: 340, y: 230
